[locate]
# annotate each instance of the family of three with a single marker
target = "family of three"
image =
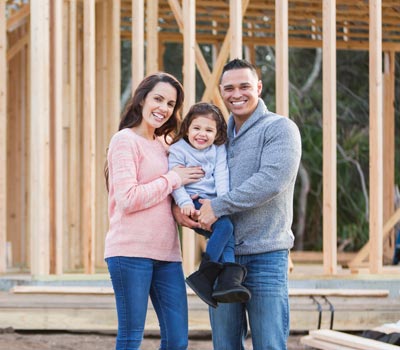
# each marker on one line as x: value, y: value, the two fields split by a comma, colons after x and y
x: 233, y: 183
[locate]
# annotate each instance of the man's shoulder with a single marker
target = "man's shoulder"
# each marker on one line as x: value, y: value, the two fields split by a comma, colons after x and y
x: 277, y: 121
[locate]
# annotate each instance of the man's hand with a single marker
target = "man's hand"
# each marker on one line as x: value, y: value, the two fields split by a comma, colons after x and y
x: 207, y: 216
x: 182, y: 219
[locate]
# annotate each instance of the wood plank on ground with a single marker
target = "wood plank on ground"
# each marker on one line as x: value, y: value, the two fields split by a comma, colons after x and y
x: 323, y: 345
x: 352, y: 341
x: 42, y: 311
x: 306, y: 292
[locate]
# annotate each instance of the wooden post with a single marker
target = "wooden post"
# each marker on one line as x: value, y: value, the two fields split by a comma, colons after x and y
x: 329, y: 137
x: 236, y: 24
x: 152, y: 37
x: 137, y: 42
x: 73, y: 159
x: 40, y: 137
x: 389, y: 147
x: 375, y: 136
x: 3, y: 136
x: 115, y: 68
x: 202, y: 65
x: 89, y: 138
x: 282, y: 57
x: 59, y: 128
x: 189, y: 84
x: 221, y: 60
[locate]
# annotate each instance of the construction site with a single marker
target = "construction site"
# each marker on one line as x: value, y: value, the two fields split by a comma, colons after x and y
x: 60, y: 103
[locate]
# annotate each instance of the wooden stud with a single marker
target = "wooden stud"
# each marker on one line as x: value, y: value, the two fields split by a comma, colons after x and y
x: 18, y: 18
x: 389, y: 146
x: 329, y: 138
x: 282, y: 57
x: 3, y: 137
x: 72, y: 251
x: 115, y: 71
x: 221, y: 60
x: 40, y: 137
x: 236, y: 24
x: 137, y: 42
x: 89, y: 138
x: 59, y: 127
x: 103, y: 65
x: 202, y: 65
x: 17, y: 47
x: 375, y: 136
x: 16, y: 204
x: 152, y: 37
x: 189, y: 85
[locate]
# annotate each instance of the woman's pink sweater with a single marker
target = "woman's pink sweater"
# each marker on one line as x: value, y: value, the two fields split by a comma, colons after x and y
x: 141, y: 221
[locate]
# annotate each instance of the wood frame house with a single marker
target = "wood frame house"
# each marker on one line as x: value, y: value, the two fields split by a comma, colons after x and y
x: 60, y: 73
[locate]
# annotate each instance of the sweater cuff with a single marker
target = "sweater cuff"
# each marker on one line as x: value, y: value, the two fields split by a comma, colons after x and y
x: 217, y: 207
x: 174, y: 180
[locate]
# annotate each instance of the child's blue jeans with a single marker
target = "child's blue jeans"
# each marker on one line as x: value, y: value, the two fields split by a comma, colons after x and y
x: 221, y: 241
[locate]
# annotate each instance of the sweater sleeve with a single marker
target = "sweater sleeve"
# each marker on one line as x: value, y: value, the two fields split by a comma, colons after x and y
x: 221, y: 173
x: 177, y: 157
x: 130, y: 195
x: 280, y: 157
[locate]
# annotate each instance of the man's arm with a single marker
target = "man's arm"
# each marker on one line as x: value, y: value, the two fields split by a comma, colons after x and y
x: 280, y: 159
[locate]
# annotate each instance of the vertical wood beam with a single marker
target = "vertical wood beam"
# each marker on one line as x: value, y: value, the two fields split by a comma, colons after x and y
x: 137, y: 42
x: 375, y: 136
x: 202, y: 65
x: 213, y: 82
x: 189, y: 84
x: 389, y: 142
x: 236, y: 25
x: 115, y: 70
x: 3, y: 136
x: 282, y: 57
x: 59, y: 127
x: 152, y: 37
x: 329, y: 138
x: 40, y: 137
x: 103, y: 22
x: 73, y: 161
x: 89, y: 137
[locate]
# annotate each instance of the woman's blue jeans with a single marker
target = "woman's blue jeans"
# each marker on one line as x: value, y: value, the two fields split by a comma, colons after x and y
x: 267, y: 310
x: 133, y: 280
x: 221, y: 241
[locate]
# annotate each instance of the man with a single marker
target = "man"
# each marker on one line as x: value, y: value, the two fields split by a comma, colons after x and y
x: 263, y: 151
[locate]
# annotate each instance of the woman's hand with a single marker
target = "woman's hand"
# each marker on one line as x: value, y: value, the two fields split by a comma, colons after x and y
x: 190, y: 174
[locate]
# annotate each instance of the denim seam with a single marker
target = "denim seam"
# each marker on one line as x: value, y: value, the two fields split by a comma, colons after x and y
x: 161, y: 317
x: 124, y: 304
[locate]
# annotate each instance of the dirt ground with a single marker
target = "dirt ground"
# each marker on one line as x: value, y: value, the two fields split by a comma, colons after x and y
x: 11, y: 340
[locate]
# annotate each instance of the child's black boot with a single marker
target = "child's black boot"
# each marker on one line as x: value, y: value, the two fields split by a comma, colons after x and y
x: 229, y: 287
x: 202, y: 281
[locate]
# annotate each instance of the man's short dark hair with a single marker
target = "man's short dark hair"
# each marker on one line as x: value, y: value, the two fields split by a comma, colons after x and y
x: 238, y: 63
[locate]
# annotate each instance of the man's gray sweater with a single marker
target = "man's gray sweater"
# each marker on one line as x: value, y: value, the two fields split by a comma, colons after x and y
x: 263, y: 161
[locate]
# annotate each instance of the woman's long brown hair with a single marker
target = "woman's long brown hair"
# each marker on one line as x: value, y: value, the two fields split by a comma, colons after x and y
x: 132, y: 115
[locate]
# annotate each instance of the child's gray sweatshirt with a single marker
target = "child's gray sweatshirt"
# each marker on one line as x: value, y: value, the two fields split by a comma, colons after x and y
x: 263, y: 161
x: 213, y: 162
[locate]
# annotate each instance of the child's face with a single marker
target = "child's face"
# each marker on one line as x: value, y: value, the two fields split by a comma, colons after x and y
x: 202, y: 132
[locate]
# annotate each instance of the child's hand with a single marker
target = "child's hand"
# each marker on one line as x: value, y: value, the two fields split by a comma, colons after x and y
x: 188, y: 210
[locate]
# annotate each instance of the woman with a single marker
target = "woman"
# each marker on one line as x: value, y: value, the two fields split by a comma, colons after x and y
x: 142, y: 248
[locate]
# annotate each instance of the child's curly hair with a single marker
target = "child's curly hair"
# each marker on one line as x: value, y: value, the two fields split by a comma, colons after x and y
x: 207, y: 110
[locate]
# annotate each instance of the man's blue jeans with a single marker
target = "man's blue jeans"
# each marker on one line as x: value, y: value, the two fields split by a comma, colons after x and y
x: 267, y: 310
x: 133, y: 280
x: 221, y: 243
